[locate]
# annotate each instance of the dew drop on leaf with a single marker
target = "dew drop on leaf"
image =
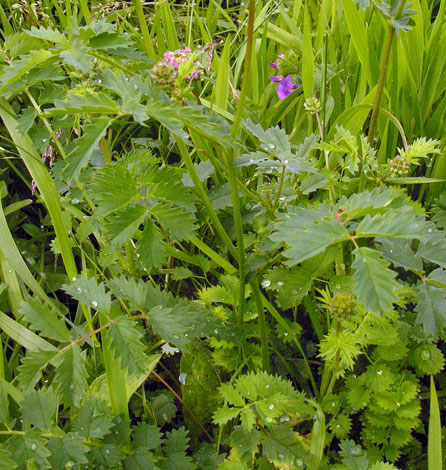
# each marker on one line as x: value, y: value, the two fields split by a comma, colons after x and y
x: 425, y: 355
x: 271, y: 407
x: 182, y: 378
x: 380, y: 372
x: 94, y: 303
x: 266, y: 283
x: 33, y: 447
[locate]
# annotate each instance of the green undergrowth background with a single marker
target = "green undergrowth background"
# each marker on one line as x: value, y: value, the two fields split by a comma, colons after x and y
x: 198, y: 274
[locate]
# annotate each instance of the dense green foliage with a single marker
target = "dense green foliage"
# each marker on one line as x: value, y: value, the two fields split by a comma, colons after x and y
x: 222, y: 235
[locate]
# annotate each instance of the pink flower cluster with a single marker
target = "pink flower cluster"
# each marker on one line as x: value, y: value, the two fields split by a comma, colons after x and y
x: 165, y: 71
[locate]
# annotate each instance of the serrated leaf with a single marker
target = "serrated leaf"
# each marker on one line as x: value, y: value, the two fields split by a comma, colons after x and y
x: 94, y: 419
x: 142, y: 459
x: 282, y: 446
x: 123, y: 224
x: 151, y: 247
x: 175, y: 450
x: 69, y: 450
x: 374, y: 282
x: 312, y: 239
x: 90, y: 293
x: 113, y: 188
x: 71, y: 376
x: 39, y: 407
x: 399, y: 253
x: 21, y: 66
x: 44, y: 319
x: 125, y: 338
x: 78, y: 57
x: 147, y: 436
x: 31, y: 367
x: 434, y: 251
x: 84, y: 104
x: 353, y: 456
x: 431, y: 309
x: 180, y: 223
x: 204, y: 171
x: 366, y: 202
x: 392, y: 224
x: 83, y: 147
x: 5, y: 461
x: 48, y: 34
x: 223, y: 415
x: 29, y: 447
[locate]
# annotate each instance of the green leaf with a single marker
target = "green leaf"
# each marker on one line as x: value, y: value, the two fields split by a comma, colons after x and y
x: 392, y: 224
x: 126, y: 342
x: 366, y: 202
x: 147, y: 436
x: 5, y: 461
x: 39, y: 407
x: 169, y: 324
x: 90, y: 293
x: 175, y: 450
x: 283, y: 447
x: 30, y: 447
x: 112, y: 188
x: 180, y: 223
x: 353, y: 455
x: 431, y: 309
x: 48, y: 34
x: 142, y: 459
x: 400, y: 254
x: 313, y: 238
x: 245, y: 443
x: 84, y: 104
x: 71, y: 376
x: 69, y: 450
x: 78, y: 57
x: 30, y: 370
x: 21, y: 66
x: 94, y: 419
x: 434, y: 251
x: 223, y: 415
x: 434, y: 452
x: 82, y: 148
x: 44, y: 319
x: 123, y: 224
x: 374, y: 282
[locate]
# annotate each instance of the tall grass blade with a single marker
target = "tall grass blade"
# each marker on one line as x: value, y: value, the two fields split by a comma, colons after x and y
x: 434, y: 457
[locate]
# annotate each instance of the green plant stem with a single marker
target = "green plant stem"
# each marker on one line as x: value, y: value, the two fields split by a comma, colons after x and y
x: 382, y: 75
x: 144, y: 30
x: 204, y: 198
x: 262, y: 324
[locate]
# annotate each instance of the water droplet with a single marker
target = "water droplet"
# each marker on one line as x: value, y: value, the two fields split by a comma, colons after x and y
x: 251, y: 161
x: 267, y: 386
x: 364, y: 260
x: 43, y: 140
x: 338, y: 426
x: 380, y: 372
x: 74, y: 279
x: 281, y: 456
x: 356, y: 450
x: 286, y: 333
x: 280, y: 283
x: 71, y: 386
x: 216, y: 331
x: 272, y: 146
x: 75, y: 201
x: 285, y: 161
x: 425, y: 355
x: 175, y: 337
x: 79, y: 290
x: 398, y: 405
x: 282, y: 198
x: 284, y: 418
x: 33, y: 446
x: 98, y: 81
x: 94, y: 303
x: 300, y: 463
x: 266, y: 283
x: 107, y: 451
x: 429, y: 230
x: 182, y: 378
x: 338, y: 286
x: 271, y: 407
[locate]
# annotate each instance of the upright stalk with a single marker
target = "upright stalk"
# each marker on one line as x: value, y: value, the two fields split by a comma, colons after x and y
x: 238, y: 225
x: 382, y: 75
x: 144, y: 29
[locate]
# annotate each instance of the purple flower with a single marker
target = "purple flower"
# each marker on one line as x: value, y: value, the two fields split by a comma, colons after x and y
x: 286, y: 86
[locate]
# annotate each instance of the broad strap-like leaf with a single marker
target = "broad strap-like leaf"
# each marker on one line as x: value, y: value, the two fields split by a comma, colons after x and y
x: 374, y: 282
x: 71, y: 376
